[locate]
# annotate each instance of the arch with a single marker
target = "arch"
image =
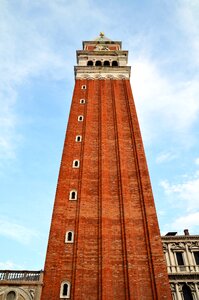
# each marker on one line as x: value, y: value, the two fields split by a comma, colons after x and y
x: 98, y: 63
x: 65, y: 289
x: 73, y: 195
x: 11, y: 295
x: 107, y: 63
x: 80, y: 118
x: 69, y: 238
x: 187, y: 292
x: 76, y: 163
x: 78, y: 138
x: 90, y: 63
x: 114, y: 63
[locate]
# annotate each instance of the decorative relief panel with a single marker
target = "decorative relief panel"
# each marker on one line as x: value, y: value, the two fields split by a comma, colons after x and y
x: 177, y: 246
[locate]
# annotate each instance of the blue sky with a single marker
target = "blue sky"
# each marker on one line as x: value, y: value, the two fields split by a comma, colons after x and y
x: 37, y: 54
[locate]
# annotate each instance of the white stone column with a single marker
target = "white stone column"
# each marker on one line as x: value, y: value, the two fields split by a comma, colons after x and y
x: 178, y: 295
x: 172, y: 260
x: 188, y: 259
x: 197, y: 291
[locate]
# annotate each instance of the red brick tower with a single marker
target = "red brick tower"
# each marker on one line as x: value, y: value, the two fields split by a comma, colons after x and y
x: 104, y: 240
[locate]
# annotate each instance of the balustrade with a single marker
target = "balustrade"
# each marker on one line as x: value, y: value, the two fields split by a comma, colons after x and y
x: 182, y: 269
x: 20, y: 275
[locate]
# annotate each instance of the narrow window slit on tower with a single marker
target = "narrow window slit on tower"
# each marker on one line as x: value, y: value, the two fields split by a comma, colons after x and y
x: 76, y: 163
x: 82, y: 101
x: 80, y: 118
x: 65, y: 290
x: 69, y: 238
x: 84, y: 87
x: 78, y: 138
x: 73, y: 195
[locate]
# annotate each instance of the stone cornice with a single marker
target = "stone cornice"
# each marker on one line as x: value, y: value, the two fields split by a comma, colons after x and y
x: 82, y: 72
x: 177, y: 238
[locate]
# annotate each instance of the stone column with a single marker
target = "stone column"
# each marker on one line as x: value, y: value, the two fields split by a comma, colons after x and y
x: 172, y: 260
x: 178, y: 294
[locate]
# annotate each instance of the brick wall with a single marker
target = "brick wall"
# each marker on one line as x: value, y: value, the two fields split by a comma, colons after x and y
x: 117, y: 250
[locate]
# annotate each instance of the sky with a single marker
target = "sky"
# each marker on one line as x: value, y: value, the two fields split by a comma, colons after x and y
x: 38, y: 47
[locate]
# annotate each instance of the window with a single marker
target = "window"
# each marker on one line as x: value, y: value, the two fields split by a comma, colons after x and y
x: 196, y: 256
x: 98, y: 63
x: 90, y: 63
x: 78, y: 138
x: 69, y: 238
x: 186, y: 292
x: 83, y: 87
x: 65, y: 290
x: 179, y: 257
x: 80, y: 118
x: 82, y: 101
x: 76, y: 163
x: 115, y: 63
x: 73, y: 195
x: 11, y: 296
x: 106, y: 63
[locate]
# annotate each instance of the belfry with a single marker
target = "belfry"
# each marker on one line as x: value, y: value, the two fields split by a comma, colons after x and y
x: 104, y: 241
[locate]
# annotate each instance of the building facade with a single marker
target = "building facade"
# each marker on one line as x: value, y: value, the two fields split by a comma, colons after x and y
x: 104, y: 240
x: 182, y: 259
x: 20, y: 285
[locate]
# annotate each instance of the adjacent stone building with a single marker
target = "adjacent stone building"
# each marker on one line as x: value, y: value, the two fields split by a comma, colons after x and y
x: 182, y: 259
x: 20, y: 285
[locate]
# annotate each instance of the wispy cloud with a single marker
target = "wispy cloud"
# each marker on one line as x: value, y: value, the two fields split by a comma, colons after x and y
x: 10, y: 265
x: 174, y: 107
x: 17, y: 232
x: 187, y: 12
x: 189, y: 221
x: 165, y: 157
x: 183, y: 194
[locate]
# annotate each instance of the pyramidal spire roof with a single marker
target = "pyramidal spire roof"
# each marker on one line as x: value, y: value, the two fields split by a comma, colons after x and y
x: 102, y: 38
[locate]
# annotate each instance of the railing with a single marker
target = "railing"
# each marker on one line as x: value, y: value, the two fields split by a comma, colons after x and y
x: 183, y: 269
x: 20, y: 275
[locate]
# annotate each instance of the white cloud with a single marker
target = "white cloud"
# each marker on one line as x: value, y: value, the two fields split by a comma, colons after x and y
x: 164, y: 107
x: 9, y: 265
x: 189, y: 221
x: 17, y: 232
x: 165, y: 157
x: 188, y: 18
x: 197, y: 161
x: 185, y: 194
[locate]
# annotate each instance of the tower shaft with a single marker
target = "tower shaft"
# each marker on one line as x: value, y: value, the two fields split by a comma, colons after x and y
x: 104, y: 241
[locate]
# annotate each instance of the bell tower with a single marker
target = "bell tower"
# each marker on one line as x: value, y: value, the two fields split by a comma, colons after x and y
x: 104, y: 240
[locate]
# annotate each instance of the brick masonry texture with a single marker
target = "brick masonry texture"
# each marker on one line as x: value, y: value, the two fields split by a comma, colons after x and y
x: 117, y: 250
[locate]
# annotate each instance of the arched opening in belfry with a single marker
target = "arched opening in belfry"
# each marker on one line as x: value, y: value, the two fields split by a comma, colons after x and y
x: 11, y: 296
x: 98, y: 63
x: 115, y: 63
x: 106, y: 63
x: 90, y: 63
x: 187, y: 292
